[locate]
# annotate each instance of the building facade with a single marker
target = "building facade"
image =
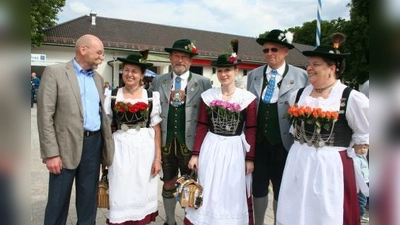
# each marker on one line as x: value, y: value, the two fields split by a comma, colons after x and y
x: 121, y: 37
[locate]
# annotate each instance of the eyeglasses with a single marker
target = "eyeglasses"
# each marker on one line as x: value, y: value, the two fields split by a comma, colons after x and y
x: 99, y: 53
x: 266, y: 50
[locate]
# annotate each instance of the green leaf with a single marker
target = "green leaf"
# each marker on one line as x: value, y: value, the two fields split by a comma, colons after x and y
x: 43, y: 16
x: 318, y: 129
x: 327, y: 126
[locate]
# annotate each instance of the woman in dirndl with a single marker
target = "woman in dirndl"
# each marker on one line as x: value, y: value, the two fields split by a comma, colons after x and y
x: 135, y: 113
x: 330, y: 120
x: 223, y: 150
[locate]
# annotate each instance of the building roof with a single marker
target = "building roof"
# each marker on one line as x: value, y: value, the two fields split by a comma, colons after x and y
x: 134, y: 35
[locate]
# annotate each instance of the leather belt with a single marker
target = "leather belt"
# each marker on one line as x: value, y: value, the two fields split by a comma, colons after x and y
x: 88, y: 133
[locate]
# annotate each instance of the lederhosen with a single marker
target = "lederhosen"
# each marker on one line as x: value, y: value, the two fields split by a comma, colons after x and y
x: 175, y: 154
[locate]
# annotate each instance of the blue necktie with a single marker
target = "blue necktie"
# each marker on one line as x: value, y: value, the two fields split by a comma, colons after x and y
x: 270, y: 87
x: 178, y: 83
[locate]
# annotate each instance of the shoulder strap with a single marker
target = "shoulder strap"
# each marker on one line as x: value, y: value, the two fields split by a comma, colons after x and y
x: 344, y: 100
x: 342, y: 113
x: 113, y: 94
x: 264, y: 78
x: 283, y: 75
x: 149, y: 95
x: 299, y: 92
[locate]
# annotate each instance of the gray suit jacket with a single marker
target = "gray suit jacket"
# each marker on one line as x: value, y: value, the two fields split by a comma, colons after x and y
x: 196, y: 85
x: 294, y: 79
x: 60, y: 116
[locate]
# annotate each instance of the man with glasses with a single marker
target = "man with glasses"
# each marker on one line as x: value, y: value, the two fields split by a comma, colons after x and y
x: 180, y: 92
x: 272, y: 84
x: 74, y: 132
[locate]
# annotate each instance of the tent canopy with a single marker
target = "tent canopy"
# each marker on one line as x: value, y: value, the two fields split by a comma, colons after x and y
x: 150, y: 73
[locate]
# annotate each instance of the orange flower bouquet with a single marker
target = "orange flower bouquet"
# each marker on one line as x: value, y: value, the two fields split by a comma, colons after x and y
x: 312, y: 116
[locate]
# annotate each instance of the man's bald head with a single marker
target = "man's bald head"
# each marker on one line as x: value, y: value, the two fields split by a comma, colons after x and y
x: 86, y: 40
x: 89, y: 51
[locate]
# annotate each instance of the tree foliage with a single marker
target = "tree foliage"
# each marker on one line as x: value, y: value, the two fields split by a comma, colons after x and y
x: 43, y: 15
x: 357, y: 31
x: 357, y: 43
x: 306, y: 33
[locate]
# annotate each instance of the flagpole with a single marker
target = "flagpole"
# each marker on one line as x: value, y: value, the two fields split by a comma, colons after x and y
x: 318, y: 30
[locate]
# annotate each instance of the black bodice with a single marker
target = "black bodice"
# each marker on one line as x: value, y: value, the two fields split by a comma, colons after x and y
x: 231, y: 125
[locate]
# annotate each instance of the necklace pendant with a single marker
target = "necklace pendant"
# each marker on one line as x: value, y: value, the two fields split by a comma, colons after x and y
x: 124, y: 127
x: 137, y: 127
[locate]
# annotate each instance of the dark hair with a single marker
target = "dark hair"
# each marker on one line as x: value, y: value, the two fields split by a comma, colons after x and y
x: 339, y: 63
x: 142, y: 68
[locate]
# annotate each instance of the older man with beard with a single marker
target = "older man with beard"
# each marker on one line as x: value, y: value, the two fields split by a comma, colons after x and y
x: 180, y: 92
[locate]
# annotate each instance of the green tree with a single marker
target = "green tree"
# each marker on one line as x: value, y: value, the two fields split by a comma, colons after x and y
x: 357, y: 43
x: 305, y: 34
x: 43, y: 15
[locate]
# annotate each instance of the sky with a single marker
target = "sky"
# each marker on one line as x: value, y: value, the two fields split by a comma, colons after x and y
x: 240, y: 17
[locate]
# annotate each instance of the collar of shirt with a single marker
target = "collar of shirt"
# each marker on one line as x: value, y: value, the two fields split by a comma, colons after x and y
x: 79, y: 70
x: 89, y: 97
x: 184, y: 81
x: 280, y: 71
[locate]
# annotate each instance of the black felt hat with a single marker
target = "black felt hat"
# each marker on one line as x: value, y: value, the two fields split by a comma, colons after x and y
x: 326, y: 52
x: 279, y: 37
x: 183, y: 45
x: 138, y: 59
x: 228, y: 59
x: 330, y: 52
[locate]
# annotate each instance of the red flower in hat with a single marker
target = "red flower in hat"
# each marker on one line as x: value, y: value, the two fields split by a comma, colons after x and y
x: 191, y: 48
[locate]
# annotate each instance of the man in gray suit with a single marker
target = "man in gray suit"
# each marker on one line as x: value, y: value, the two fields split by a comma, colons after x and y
x: 272, y: 84
x: 180, y: 93
x: 75, y: 134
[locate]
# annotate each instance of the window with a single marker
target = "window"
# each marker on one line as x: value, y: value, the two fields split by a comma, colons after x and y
x: 196, y: 69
